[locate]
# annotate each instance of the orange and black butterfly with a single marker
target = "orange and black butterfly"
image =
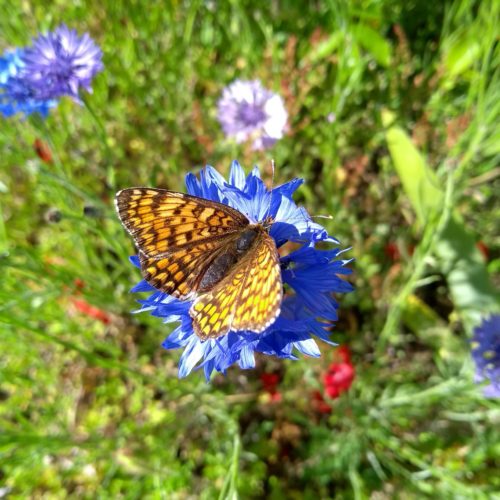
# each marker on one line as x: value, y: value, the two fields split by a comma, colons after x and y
x: 201, y: 250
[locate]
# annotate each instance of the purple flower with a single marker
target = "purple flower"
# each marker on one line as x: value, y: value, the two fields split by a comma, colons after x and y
x: 247, y: 110
x: 16, y: 96
x: 61, y: 63
x: 310, y: 276
x: 486, y: 354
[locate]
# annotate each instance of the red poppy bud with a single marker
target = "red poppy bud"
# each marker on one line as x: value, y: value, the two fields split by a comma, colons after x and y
x: 42, y: 151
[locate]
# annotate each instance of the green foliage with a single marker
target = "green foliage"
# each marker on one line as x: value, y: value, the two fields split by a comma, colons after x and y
x: 393, y: 109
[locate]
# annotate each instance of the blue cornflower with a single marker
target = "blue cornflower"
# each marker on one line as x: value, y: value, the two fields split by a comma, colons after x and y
x: 486, y: 354
x: 61, y: 63
x: 309, y: 274
x: 16, y: 95
x: 248, y: 110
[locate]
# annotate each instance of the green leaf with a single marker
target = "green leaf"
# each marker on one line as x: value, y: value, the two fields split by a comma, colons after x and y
x: 417, y: 315
x: 424, y: 322
x: 419, y: 182
x: 326, y: 47
x: 374, y: 43
x: 465, y: 270
x: 4, y: 246
x: 458, y: 257
x: 461, y: 55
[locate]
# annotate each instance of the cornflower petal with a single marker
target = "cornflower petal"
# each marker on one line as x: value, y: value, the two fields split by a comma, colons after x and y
x: 16, y: 95
x: 486, y: 354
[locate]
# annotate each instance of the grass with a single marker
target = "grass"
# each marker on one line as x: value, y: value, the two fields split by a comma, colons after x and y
x: 95, y: 409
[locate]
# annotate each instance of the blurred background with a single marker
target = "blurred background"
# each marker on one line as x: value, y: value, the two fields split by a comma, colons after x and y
x: 393, y: 111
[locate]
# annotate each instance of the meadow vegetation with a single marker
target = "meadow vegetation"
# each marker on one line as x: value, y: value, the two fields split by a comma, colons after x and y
x: 393, y: 123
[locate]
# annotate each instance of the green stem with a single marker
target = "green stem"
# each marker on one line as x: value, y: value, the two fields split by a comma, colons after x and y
x: 110, y: 171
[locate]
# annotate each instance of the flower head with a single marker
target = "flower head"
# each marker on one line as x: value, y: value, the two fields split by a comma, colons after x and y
x: 486, y: 354
x: 248, y: 110
x: 270, y: 382
x: 16, y: 95
x: 340, y: 375
x: 61, y: 63
x: 42, y: 150
x: 310, y: 276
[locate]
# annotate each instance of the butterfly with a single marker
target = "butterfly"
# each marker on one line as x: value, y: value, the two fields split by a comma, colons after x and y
x: 201, y: 250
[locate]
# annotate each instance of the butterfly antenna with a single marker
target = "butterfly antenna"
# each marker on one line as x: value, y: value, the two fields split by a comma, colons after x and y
x: 329, y: 217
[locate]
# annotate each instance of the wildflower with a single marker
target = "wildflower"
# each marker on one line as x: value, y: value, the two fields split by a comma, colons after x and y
x: 331, y: 117
x: 339, y: 377
x: 310, y: 277
x: 483, y: 248
x: 16, y: 95
x: 391, y: 250
x: 42, y: 150
x: 486, y: 354
x: 81, y: 305
x: 61, y: 63
x: 270, y: 382
x: 247, y: 110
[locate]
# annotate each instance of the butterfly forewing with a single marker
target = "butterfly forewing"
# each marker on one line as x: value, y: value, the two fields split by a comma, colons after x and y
x: 248, y: 298
x: 177, y: 234
x: 191, y: 247
x: 162, y: 221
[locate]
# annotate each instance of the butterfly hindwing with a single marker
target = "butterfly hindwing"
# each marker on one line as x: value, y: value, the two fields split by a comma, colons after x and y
x: 248, y: 298
x: 179, y: 273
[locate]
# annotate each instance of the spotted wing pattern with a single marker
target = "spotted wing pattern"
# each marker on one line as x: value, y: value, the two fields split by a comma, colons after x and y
x: 248, y: 298
x: 179, y: 273
x: 178, y: 235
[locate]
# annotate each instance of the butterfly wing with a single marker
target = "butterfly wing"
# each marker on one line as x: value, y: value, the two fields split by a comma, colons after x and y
x: 179, y: 273
x: 178, y: 235
x: 248, y: 298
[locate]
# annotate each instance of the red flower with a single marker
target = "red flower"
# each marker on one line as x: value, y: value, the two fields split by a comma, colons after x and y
x: 483, y: 249
x: 42, y: 150
x: 344, y: 354
x: 89, y: 310
x: 391, y: 250
x: 270, y: 383
x: 339, y: 377
x: 79, y: 283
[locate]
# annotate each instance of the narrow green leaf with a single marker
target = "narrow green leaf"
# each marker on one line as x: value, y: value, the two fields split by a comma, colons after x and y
x: 465, y: 271
x: 4, y: 247
x: 461, y: 54
x: 417, y: 315
x: 419, y: 182
x: 374, y: 43
x: 424, y: 322
x: 326, y: 47
x: 459, y: 259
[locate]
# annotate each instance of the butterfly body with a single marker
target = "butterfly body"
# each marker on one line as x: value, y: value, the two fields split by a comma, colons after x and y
x: 205, y: 251
x: 221, y: 265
